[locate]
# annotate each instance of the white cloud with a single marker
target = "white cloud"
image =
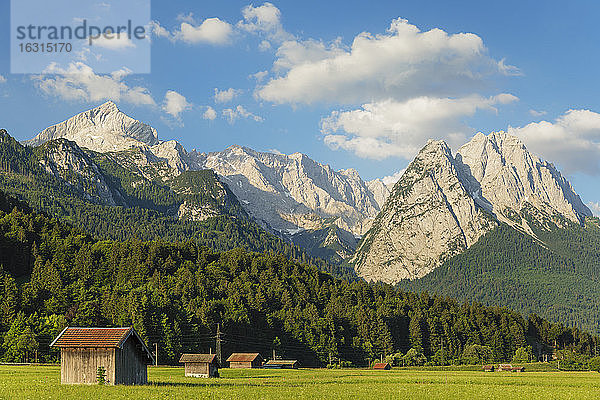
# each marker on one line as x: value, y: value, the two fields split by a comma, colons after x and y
x: 572, y: 140
x: 293, y: 53
x: 189, y: 18
x: 174, y: 104
x: 225, y: 96
x: 2, y: 79
x: 264, y: 45
x: 116, y: 43
x: 211, y: 31
x: 158, y: 30
x: 535, y: 113
x: 391, y: 180
x: 232, y: 114
x: 402, y: 63
x: 210, y: 113
x: 400, y: 128
x: 78, y: 82
x: 595, y: 207
x: 508, y: 70
x: 264, y: 20
x: 260, y: 75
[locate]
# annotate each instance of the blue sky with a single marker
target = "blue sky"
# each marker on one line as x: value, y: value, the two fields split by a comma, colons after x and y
x: 353, y: 84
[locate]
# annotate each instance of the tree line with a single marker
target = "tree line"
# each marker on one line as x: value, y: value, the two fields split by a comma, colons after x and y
x: 174, y: 293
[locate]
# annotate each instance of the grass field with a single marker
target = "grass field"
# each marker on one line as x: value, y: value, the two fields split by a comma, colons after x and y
x: 43, y: 382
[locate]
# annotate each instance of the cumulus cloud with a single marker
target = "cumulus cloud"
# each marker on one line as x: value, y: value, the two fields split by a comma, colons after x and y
x: 293, y: 53
x: 225, y: 96
x: 571, y: 140
x: 264, y: 20
x: 400, y: 128
x: 158, y: 30
x: 116, y: 43
x: 78, y: 82
x: 212, y: 31
x: 210, y: 113
x: 535, y: 113
x: 233, y: 114
x: 2, y: 79
x: 402, y: 63
x: 259, y: 76
x: 595, y: 207
x: 189, y: 18
x: 391, y: 180
x: 174, y: 104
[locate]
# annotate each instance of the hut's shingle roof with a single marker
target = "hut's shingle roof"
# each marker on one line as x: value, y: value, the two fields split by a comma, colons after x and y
x: 381, y: 366
x: 92, y: 337
x: 243, y: 357
x: 281, y: 362
x: 72, y: 337
x: 197, y: 358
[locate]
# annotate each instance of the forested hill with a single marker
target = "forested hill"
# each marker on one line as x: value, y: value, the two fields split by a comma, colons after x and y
x: 94, y: 193
x: 556, y: 276
x: 52, y: 275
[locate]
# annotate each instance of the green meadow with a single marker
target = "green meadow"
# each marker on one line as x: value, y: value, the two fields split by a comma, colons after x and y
x: 43, y: 382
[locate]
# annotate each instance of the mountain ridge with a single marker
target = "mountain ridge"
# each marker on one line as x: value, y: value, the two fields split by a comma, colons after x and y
x: 301, y: 193
x: 461, y: 198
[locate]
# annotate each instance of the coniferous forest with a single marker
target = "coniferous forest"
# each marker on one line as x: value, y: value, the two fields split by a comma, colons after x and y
x: 174, y: 294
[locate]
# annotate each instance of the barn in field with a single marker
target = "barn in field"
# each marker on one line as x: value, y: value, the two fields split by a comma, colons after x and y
x: 120, y: 351
x: 281, y: 364
x: 384, y: 366
x: 245, y: 360
x: 200, y: 365
x: 509, y: 367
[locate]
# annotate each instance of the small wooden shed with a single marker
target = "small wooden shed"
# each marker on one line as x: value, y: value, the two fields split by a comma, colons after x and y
x: 200, y: 365
x: 385, y: 366
x: 281, y: 364
x: 509, y: 367
x: 120, y: 351
x: 245, y: 360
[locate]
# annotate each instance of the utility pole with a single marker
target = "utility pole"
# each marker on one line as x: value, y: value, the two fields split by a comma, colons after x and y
x: 219, y: 344
x: 156, y: 354
x: 443, y: 354
x: 273, y: 353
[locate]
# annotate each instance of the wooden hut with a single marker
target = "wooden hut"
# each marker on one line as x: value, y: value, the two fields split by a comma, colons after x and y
x: 200, y: 365
x: 509, y: 367
x: 384, y: 366
x: 281, y: 364
x: 245, y: 360
x: 119, y: 351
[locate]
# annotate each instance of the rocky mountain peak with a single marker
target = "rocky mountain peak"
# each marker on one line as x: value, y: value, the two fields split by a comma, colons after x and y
x: 428, y: 218
x: 103, y: 128
x: 443, y: 204
x: 510, y: 176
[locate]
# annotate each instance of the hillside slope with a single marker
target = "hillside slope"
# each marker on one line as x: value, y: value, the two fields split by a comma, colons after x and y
x: 559, y: 281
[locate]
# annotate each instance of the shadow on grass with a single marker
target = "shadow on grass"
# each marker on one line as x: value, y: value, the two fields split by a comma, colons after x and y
x: 212, y: 383
x: 222, y: 383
